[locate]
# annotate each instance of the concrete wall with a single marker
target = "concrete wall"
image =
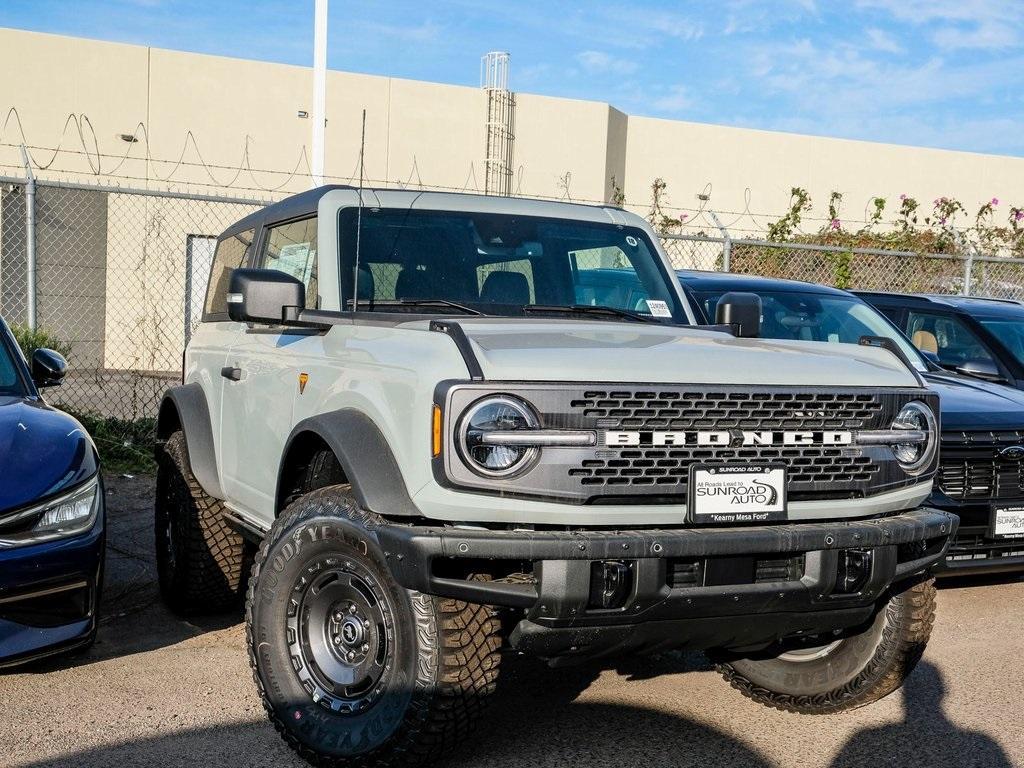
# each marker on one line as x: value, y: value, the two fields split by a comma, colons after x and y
x: 245, y: 113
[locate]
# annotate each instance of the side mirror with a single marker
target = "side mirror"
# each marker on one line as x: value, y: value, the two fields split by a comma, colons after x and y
x: 264, y: 296
x: 742, y: 311
x: 48, y: 368
x: 981, y: 369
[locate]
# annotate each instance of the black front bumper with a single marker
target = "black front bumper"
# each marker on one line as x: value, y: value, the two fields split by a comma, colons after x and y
x: 662, y: 609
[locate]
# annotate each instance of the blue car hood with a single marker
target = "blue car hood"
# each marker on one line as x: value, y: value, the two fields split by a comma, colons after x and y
x: 970, y: 404
x: 43, y: 451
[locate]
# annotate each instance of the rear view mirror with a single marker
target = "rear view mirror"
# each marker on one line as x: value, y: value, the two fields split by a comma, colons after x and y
x: 742, y: 311
x: 981, y: 369
x: 48, y: 368
x: 264, y: 296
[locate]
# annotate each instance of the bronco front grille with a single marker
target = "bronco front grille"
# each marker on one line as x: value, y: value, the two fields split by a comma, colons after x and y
x: 648, y: 473
x: 658, y: 409
x: 975, y: 466
x: 810, y: 467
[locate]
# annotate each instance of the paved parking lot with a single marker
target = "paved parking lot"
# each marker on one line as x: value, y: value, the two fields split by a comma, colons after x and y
x: 158, y: 691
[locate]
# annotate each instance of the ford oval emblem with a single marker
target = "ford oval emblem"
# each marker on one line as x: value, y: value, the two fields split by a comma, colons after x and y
x: 1012, y: 452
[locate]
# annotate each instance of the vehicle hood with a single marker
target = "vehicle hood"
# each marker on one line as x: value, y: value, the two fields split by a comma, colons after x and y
x: 43, y: 451
x: 557, y: 350
x: 971, y: 404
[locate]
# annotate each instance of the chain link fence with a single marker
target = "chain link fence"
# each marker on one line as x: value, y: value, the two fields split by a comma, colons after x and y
x: 866, y: 269
x: 116, y: 277
x: 119, y: 281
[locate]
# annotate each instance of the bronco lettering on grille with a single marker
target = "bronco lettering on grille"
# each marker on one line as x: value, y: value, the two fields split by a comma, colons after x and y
x: 727, y: 438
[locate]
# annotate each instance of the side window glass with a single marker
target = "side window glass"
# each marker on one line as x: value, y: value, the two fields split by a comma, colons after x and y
x: 946, y: 336
x: 231, y: 253
x: 291, y: 248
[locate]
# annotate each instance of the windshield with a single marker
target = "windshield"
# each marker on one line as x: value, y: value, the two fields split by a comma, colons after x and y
x: 10, y: 380
x: 818, y: 317
x: 1010, y: 332
x: 497, y: 264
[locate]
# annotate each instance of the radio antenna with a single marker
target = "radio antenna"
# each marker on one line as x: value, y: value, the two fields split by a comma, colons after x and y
x: 359, y: 219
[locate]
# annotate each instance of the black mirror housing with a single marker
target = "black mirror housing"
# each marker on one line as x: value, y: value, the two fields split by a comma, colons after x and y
x: 264, y: 296
x: 48, y: 368
x: 981, y: 369
x: 741, y: 311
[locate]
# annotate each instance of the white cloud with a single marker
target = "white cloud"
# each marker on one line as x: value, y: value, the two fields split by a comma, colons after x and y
x: 986, y: 36
x: 881, y: 40
x: 599, y: 62
x: 676, y: 99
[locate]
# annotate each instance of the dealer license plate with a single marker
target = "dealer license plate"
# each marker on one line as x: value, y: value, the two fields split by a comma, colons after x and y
x: 1007, y: 522
x: 750, y: 493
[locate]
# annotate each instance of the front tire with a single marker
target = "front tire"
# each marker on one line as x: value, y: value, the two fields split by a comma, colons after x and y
x: 352, y: 668
x: 843, y: 674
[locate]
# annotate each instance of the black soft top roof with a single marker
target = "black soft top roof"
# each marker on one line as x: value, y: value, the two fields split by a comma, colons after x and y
x: 292, y: 207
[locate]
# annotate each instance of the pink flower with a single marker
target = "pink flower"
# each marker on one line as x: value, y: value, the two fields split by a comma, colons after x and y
x: 1018, y: 215
x: 684, y: 217
x: 903, y: 197
x: 995, y: 201
x: 835, y: 224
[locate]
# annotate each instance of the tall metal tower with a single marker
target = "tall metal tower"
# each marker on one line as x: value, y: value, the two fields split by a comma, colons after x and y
x: 501, y: 121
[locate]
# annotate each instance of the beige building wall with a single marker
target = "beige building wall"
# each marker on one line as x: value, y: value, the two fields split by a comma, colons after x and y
x: 732, y: 161
x: 230, y: 113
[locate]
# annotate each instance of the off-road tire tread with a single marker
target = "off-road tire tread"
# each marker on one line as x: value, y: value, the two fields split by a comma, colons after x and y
x: 904, y: 637
x: 214, y: 552
x: 466, y: 645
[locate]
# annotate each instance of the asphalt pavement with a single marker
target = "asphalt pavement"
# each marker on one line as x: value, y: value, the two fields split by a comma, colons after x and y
x: 158, y: 691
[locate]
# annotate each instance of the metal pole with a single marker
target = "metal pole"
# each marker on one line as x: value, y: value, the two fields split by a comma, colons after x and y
x: 319, y: 89
x: 30, y: 242
x: 726, y: 244
x: 968, y: 268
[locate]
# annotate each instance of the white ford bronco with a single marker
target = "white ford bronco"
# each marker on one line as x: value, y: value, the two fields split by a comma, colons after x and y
x: 421, y: 428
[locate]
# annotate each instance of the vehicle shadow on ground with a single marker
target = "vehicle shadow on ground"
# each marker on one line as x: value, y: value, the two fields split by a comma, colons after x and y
x: 925, y: 736
x: 538, y: 719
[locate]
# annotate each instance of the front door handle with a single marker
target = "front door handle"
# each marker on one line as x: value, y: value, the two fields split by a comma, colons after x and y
x: 232, y: 374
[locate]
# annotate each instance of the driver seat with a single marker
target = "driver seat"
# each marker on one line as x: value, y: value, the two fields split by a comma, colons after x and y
x: 925, y: 341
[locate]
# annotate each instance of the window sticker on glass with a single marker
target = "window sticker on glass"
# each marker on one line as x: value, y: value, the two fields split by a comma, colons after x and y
x: 658, y: 308
x: 296, y: 259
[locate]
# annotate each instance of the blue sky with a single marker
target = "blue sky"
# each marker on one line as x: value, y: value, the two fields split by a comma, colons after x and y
x: 943, y: 73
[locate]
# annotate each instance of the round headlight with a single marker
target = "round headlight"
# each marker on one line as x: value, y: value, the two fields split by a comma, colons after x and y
x: 496, y: 414
x: 913, y: 457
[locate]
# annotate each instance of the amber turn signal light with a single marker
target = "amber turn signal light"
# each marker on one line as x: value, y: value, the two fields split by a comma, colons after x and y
x: 436, y: 432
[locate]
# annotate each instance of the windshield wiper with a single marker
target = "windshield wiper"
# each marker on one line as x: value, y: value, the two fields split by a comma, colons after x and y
x: 588, y: 309
x: 439, y: 303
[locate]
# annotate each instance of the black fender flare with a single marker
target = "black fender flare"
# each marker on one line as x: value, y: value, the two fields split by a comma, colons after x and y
x: 186, y: 406
x: 365, y: 456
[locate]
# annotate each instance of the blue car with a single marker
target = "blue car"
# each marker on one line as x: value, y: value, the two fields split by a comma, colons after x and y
x: 52, y: 525
x: 981, y: 459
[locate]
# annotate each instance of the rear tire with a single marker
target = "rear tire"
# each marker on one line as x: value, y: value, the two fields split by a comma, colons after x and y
x: 199, y: 557
x: 843, y: 674
x: 352, y: 668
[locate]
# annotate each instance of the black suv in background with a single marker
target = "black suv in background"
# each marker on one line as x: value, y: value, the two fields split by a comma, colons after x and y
x: 978, y: 337
x: 981, y: 461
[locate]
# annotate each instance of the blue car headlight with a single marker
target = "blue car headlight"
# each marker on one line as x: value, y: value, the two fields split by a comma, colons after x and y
x: 66, y: 515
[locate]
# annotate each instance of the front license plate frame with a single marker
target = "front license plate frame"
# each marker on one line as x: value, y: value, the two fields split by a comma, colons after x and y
x: 736, y: 494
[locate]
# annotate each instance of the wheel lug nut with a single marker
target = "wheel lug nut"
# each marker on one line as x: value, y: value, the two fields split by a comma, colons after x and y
x: 366, y: 623
x: 351, y: 655
x: 366, y: 647
x: 337, y: 640
x: 352, y: 609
